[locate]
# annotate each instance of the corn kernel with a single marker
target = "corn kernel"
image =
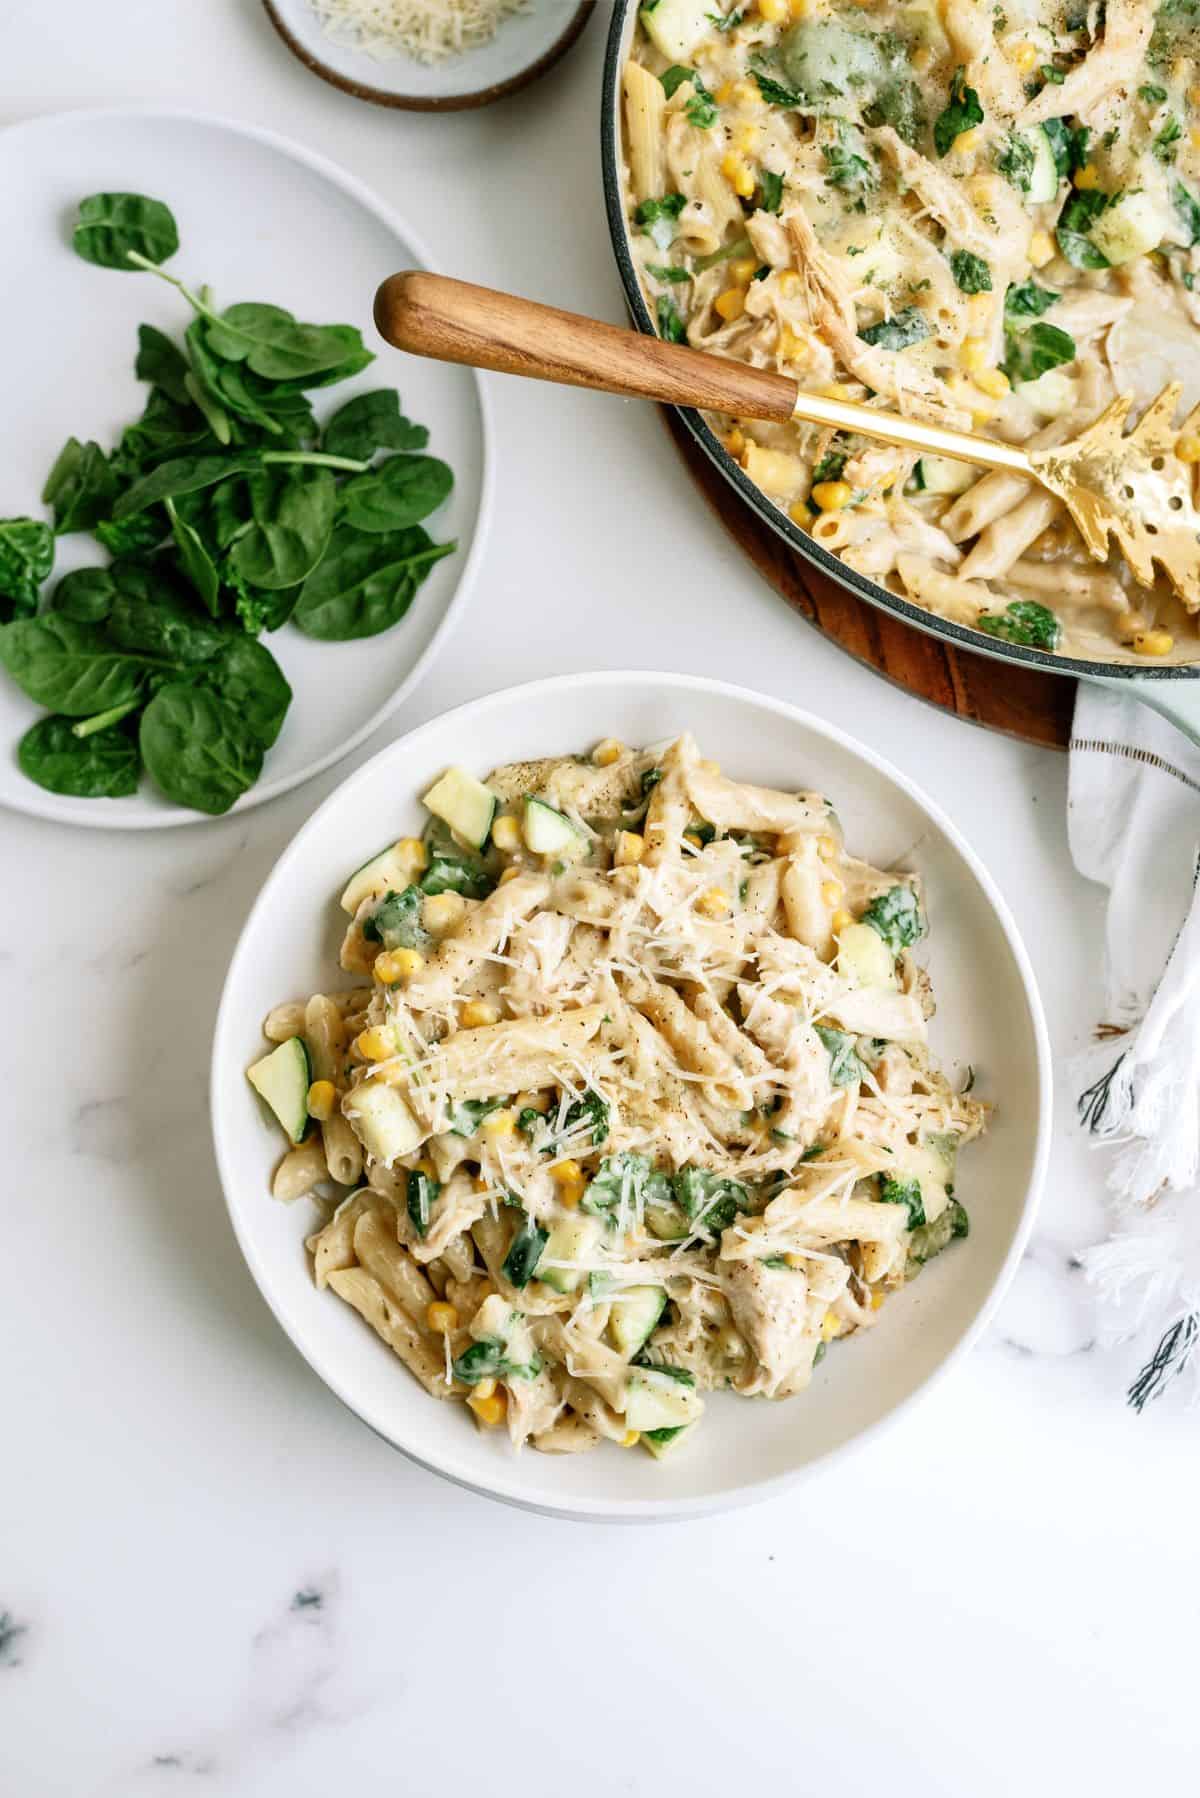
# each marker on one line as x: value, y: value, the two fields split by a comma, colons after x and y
x: 790, y: 346
x: 801, y: 9
x: 375, y: 1045
x: 836, y: 390
x: 922, y: 59
x: 738, y: 173
x: 1193, y: 95
x: 741, y: 270
x: 827, y: 847
x: 426, y: 1167
x: 1194, y: 136
x: 1153, y: 643
x: 967, y: 141
x: 877, y: 1299
x: 571, y: 1194
x: 789, y: 282
x: 443, y: 912
x: 414, y: 852
x: 1088, y: 176
x: 735, y: 443
x: 693, y: 841
x: 832, y: 496
x: 498, y: 1123
x: 477, y: 1013
x: 1041, y: 248
x: 509, y: 874
x: 982, y: 415
x: 747, y: 94
x: 609, y: 751
x: 321, y: 1098
x: 1024, y: 56
x: 1187, y: 447
x: 480, y: 1184
x: 630, y: 1439
x: 485, y: 1388
x: 993, y: 382
x: 731, y: 304
x: 706, y: 766
x: 979, y: 305
x: 773, y: 11
x: 489, y: 1411
x: 628, y: 849
x: 395, y: 965
x: 794, y: 1260
x: 974, y: 355
x: 506, y: 834
x: 841, y: 918
x: 831, y: 891
x: 725, y: 93
x: 441, y: 1318
x: 713, y: 904
x: 564, y: 1172
x: 831, y: 1326
x: 745, y: 139
x: 800, y: 514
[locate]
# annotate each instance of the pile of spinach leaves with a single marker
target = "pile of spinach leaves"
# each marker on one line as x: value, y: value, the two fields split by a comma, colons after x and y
x: 226, y: 510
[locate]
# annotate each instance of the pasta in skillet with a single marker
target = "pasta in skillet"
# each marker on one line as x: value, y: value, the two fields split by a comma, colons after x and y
x: 985, y: 213
x: 638, y: 1101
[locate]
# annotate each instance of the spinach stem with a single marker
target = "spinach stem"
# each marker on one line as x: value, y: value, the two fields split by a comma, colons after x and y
x: 316, y: 459
x: 87, y: 727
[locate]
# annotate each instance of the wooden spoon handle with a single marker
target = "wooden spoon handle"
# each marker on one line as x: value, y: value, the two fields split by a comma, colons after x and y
x: 430, y: 315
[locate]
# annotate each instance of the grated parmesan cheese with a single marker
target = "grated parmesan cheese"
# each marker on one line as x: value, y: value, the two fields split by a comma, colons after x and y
x: 429, y: 31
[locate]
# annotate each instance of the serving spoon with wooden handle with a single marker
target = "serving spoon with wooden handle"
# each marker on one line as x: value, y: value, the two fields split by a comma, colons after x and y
x: 1130, y: 486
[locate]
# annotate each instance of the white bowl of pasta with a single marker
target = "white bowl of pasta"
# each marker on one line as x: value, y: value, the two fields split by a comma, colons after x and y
x: 628, y: 1079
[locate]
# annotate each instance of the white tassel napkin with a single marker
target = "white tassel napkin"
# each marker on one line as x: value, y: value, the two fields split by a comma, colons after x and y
x: 1134, y: 825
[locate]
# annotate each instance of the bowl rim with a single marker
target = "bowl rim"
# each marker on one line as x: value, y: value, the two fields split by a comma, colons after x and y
x: 171, y: 816
x: 804, y: 546
x: 506, y: 1486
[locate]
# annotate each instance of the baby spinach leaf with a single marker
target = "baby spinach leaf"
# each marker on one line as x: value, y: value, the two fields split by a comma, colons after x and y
x: 1029, y: 352
x: 930, y: 1239
x: 907, y: 1193
x: 422, y: 1192
x: 86, y: 594
x: 487, y: 1360
x: 165, y: 429
x: 453, y: 869
x: 105, y: 765
x: 197, y: 749
x: 1029, y: 300
x: 896, y: 917
x: 709, y: 1200
x: 524, y: 1252
x: 844, y: 1066
x: 464, y: 1115
x: 1015, y: 162
x: 151, y: 617
x: 674, y: 78
x: 1024, y: 621
x: 26, y: 558
x: 364, y: 584
x: 274, y: 344
x: 370, y: 422
x: 962, y: 110
x: 183, y: 474
x: 135, y: 536
x: 402, y: 491
x: 396, y: 923
x: 291, y: 518
x: 1188, y: 208
x: 81, y: 487
x: 701, y: 108
x: 162, y: 363
x: 848, y: 163
x: 900, y: 331
x: 1165, y: 145
x: 671, y: 327
x: 110, y: 226
x: 971, y: 273
x: 658, y: 218
x: 663, y: 272
x: 194, y: 559
x: 776, y: 94
x: 246, y: 677
x: 1074, y: 221
x: 73, y: 668
x: 771, y: 189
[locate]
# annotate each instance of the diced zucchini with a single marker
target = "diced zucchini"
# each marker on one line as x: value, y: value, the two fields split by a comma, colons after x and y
x: 1043, y: 179
x: 463, y: 803
x: 941, y: 474
x: 382, y: 1121
x: 634, y: 1315
x: 1051, y: 395
x: 548, y: 832
x: 1133, y: 225
x: 283, y: 1078
x: 392, y: 869
x: 656, y: 1399
x: 676, y: 26
x: 573, y: 1239
x: 864, y: 957
x: 665, y: 1442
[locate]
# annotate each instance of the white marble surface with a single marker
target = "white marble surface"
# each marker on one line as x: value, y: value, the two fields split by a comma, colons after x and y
x: 214, y: 1578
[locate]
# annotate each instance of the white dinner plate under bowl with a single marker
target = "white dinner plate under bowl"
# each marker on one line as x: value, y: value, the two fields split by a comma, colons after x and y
x: 988, y: 1016
x: 259, y: 219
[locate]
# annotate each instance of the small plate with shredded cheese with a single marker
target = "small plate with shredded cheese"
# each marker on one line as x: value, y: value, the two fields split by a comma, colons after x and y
x: 428, y: 55
x: 583, y: 1231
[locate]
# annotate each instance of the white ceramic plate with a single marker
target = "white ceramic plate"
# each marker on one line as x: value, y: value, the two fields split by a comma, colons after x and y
x: 524, y: 47
x: 988, y: 1015
x: 259, y: 219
